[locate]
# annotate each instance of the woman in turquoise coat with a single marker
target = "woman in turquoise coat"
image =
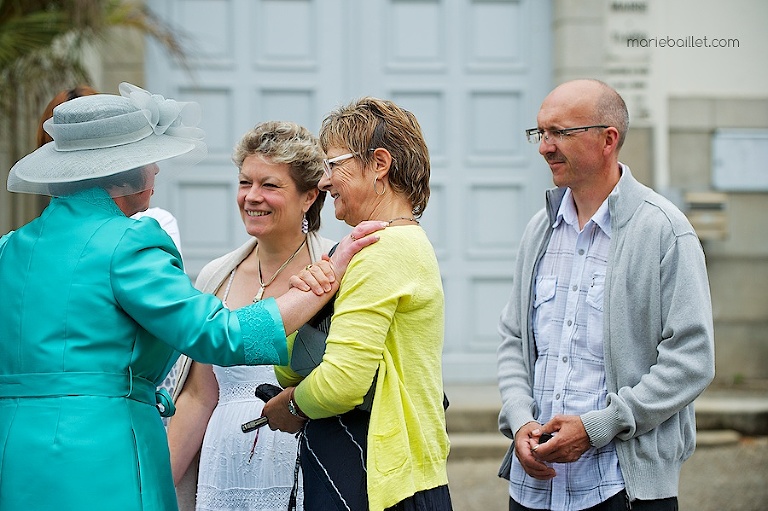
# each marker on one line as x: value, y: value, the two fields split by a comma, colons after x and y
x: 96, y: 308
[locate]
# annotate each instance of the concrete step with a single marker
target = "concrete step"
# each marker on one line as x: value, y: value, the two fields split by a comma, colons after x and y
x: 472, y: 409
x: 461, y: 419
x: 487, y: 446
x: 478, y: 446
x: 745, y: 413
x: 475, y: 408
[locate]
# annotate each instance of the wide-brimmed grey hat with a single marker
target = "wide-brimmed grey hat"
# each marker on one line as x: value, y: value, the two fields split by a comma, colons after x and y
x: 103, y: 135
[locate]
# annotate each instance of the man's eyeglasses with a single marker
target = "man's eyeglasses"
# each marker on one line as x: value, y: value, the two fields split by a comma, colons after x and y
x: 329, y: 163
x: 535, y: 135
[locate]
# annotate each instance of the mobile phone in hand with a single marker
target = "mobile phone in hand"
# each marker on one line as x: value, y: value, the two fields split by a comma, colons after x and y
x: 545, y: 437
x: 254, y: 424
x: 267, y: 391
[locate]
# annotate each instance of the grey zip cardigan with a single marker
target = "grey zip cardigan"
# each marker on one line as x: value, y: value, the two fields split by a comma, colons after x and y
x: 658, y: 337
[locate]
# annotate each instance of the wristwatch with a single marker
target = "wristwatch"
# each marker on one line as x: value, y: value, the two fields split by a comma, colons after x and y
x: 294, y: 409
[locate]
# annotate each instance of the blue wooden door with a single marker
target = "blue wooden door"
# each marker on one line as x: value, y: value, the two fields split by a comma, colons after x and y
x: 473, y: 71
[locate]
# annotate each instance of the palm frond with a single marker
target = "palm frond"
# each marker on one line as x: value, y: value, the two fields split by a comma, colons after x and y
x: 29, y: 33
x: 136, y: 15
x: 42, y: 47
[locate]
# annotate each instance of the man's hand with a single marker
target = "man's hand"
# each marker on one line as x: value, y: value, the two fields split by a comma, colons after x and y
x: 568, y: 443
x: 526, y: 441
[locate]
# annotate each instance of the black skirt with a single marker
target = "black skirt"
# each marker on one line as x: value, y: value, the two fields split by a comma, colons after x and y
x: 333, y: 458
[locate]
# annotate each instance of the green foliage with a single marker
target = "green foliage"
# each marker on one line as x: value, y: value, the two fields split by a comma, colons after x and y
x: 27, y: 34
x: 43, y: 44
x: 42, y: 48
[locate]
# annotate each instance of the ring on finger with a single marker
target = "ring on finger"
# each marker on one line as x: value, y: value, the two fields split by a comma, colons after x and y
x: 308, y: 267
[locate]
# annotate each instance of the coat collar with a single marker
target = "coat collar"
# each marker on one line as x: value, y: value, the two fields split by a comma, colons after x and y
x: 632, y: 193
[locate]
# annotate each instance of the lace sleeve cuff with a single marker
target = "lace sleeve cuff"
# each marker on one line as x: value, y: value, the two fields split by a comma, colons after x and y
x: 263, y: 333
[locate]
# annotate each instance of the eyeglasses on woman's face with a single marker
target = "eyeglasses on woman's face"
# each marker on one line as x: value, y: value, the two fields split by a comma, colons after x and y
x: 535, y: 135
x: 329, y: 164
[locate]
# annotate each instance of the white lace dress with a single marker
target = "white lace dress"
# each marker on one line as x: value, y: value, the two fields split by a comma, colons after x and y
x: 227, y: 480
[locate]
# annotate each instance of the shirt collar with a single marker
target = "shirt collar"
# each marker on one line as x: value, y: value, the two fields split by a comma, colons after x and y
x: 602, y: 218
x: 567, y: 210
x: 567, y: 213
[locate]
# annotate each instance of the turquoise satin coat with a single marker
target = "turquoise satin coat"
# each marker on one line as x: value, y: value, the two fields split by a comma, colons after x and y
x: 94, y: 310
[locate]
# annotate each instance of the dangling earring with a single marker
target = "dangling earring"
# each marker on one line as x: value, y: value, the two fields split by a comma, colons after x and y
x: 305, y: 224
x: 383, y: 187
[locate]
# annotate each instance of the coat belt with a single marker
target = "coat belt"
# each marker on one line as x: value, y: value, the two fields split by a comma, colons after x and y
x: 97, y: 384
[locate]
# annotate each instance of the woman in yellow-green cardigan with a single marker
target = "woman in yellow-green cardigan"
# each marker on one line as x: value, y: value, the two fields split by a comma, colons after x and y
x: 386, y: 330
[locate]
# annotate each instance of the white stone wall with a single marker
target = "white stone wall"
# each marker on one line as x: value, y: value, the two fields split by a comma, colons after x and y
x: 678, y: 96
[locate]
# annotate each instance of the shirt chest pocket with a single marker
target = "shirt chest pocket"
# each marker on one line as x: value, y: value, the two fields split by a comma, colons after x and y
x: 545, y: 290
x: 545, y: 325
x: 595, y: 301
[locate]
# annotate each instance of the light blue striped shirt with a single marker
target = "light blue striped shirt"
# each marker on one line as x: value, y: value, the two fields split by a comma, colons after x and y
x: 569, y: 375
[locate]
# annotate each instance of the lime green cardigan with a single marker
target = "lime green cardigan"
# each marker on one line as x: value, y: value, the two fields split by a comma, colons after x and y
x: 389, y: 316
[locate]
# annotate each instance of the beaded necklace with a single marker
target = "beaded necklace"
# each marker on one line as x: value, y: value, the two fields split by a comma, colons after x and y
x: 409, y: 218
x: 263, y: 284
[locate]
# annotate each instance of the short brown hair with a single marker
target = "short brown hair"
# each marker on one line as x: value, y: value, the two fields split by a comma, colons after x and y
x: 612, y: 110
x: 288, y: 142
x: 369, y: 123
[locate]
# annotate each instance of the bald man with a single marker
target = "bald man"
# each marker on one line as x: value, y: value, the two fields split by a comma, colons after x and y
x: 607, y: 338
